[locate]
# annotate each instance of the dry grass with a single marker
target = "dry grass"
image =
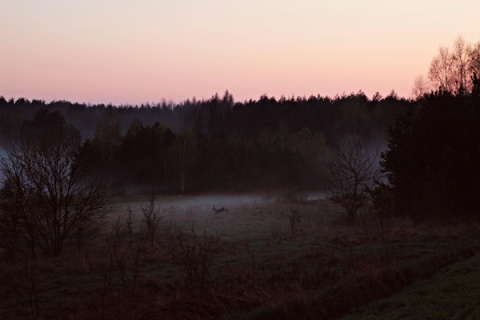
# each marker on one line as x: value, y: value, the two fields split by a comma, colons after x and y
x: 252, y: 259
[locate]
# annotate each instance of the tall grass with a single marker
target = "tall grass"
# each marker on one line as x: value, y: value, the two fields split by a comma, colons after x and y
x: 150, y: 264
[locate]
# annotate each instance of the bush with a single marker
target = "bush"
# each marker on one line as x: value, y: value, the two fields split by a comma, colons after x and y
x: 48, y: 197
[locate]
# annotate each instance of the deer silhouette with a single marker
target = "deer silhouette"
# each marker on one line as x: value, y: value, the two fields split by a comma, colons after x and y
x: 220, y: 210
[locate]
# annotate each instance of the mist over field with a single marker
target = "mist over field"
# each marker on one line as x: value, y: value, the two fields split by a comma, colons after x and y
x: 205, y: 202
x: 278, y: 208
x: 214, y: 145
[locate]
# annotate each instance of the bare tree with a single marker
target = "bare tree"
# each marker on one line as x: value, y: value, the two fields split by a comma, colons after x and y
x: 441, y: 70
x: 11, y: 222
x: 461, y: 52
x: 352, y: 168
x: 474, y: 60
x: 453, y: 70
x: 421, y: 86
x: 47, y: 188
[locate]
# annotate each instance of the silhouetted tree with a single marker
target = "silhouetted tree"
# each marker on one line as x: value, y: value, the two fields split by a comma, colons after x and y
x: 143, y: 153
x: 183, y: 158
x: 46, y: 192
x: 452, y: 69
x: 421, y: 86
x: 108, y: 137
x: 433, y: 157
x: 353, y: 169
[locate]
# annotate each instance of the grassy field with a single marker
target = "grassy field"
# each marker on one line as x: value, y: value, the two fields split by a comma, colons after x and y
x: 264, y: 259
x: 453, y: 293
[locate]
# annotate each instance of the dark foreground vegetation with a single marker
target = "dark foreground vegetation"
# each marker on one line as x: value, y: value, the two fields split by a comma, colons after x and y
x: 264, y: 260
x: 400, y: 205
x: 450, y: 294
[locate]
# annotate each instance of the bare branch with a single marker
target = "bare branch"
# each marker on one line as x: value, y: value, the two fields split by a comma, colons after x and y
x: 352, y: 168
x: 46, y: 188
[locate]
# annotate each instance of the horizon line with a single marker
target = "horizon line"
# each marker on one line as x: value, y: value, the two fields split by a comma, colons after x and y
x: 165, y: 101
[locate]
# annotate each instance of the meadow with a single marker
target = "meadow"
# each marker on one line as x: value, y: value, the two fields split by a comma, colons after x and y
x: 272, y: 256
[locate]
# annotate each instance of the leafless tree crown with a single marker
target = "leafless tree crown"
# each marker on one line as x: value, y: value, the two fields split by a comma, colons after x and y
x: 352, y: 168
x: 48, y: 191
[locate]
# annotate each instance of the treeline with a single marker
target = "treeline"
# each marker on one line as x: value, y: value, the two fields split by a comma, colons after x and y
x: 433, y: 156
x: 216, y: 144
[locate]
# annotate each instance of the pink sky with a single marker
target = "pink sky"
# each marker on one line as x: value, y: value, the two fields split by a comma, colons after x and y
x: 145, y: 51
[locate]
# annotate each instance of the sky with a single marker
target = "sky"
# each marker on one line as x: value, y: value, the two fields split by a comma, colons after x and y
x: 133, y: 52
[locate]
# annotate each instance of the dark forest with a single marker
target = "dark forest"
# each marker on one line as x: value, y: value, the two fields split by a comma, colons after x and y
x: 216, y: 144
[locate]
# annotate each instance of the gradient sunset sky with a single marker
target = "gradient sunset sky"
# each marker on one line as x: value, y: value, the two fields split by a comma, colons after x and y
x: 145, y: 51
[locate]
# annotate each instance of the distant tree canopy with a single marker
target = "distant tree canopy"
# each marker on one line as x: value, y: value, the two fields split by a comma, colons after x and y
x: 215, y: 144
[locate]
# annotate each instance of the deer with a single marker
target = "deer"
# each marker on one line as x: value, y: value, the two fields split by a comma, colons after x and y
x: 220, y: 210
